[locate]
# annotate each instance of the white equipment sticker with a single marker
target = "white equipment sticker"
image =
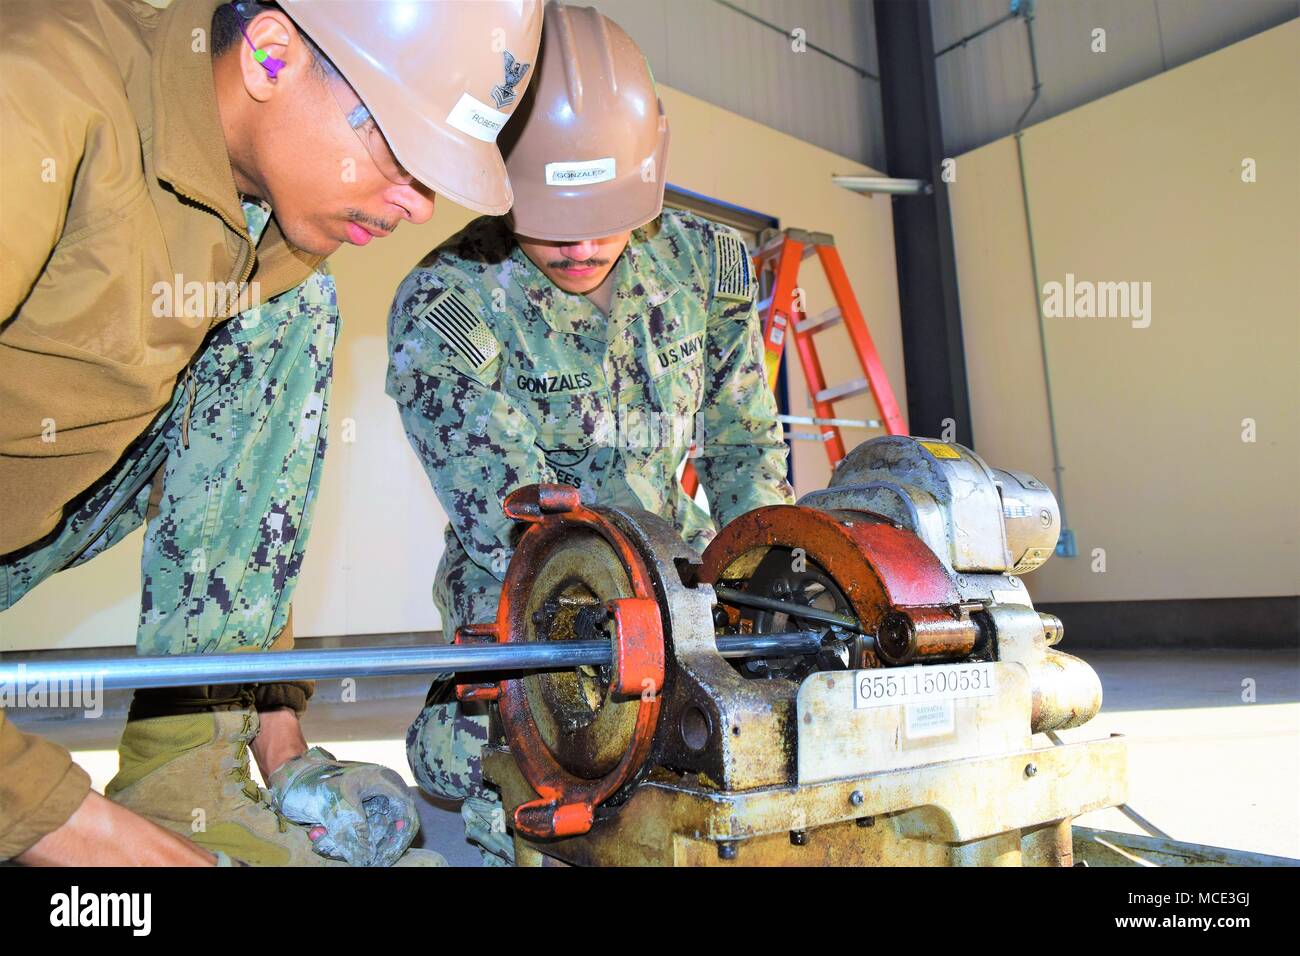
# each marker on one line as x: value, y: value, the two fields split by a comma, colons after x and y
x: 580, y: 173
x: 933, y: 719
x: 1015, y: 508
x: 476, y: 118
x: 887, y: 687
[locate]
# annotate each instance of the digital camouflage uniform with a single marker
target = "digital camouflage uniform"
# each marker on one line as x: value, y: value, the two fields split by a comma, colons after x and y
x: 503, y: 380
x: 241, y: 446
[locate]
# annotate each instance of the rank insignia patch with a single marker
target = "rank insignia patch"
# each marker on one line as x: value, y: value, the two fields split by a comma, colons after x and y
x: 462, y: 329
x: 732, y: 278
x: 504, y: 93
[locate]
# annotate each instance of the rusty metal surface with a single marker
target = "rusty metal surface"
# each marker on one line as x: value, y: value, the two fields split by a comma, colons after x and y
x: 920, y: 816
x: 1067, y: 692
x: 575, y: 712
x: 467, y: 635
x: 773, y: 605
x: 926, y: 634
x: 731, y: 733
x: 639, y: 646
x: 562, y: 726
x: 878, y: 566
x: 1051, y: 844
x: 786, y: 764
x: 1053, y: 629
x: 533, y: 502
x: 837, y: 739
x: 805, y: 596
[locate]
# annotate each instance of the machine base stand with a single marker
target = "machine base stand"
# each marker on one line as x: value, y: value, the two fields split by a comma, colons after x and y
x: 874, y: 820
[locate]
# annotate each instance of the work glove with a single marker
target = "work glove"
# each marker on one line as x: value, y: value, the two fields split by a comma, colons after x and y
x: 358, y: 812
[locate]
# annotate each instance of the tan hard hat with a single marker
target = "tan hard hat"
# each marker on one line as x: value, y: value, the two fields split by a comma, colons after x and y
x: 440, y: 77
x: 587, y: 152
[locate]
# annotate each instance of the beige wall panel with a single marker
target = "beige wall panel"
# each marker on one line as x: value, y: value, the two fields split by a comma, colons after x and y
x: 1004, y: 365
x: 1145, y: 185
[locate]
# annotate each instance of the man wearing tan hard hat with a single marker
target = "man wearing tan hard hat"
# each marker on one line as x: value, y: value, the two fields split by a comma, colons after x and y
x: 172, y: 181
x: 588, y: 339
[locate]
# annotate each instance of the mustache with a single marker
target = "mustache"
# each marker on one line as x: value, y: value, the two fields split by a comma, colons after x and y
x: 356, y: 215
x: 574, y: 263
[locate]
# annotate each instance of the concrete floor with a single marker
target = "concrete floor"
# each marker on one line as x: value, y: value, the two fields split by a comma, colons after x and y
x: 1204, y: 765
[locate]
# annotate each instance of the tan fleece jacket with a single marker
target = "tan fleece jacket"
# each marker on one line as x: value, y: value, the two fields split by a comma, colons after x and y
x: 114, y: 177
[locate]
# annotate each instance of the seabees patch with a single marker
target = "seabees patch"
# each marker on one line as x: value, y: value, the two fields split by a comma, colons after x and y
x: 731, y: 276
x: 461, y: 328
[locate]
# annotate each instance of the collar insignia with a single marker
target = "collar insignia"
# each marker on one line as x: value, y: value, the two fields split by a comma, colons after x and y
x: 504, y: 94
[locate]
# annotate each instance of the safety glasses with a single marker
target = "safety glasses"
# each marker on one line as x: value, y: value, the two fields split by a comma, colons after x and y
x: 367, y: 130
x: 358, y: 117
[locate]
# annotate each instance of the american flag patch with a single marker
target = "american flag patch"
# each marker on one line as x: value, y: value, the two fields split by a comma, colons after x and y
x: 731, y: 278
x: 462, y: 329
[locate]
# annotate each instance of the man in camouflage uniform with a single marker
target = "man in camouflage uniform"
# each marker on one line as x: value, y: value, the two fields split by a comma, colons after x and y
x: 142, y: 379
x: 226, y: 477
x: 210, y: 581
x: 527, y: 351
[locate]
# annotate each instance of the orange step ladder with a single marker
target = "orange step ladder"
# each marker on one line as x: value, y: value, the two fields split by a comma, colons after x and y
x: 784, y: 316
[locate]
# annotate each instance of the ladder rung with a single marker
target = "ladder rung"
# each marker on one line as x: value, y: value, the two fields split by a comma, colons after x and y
x: 826, y: 428
x: 847, y: 390
x: 833, y: 422
x: 823, y: 320
x: 809, y: 238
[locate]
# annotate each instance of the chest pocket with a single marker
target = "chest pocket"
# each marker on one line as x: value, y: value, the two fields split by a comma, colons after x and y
x: 677, y: 371
x: 571, y: 411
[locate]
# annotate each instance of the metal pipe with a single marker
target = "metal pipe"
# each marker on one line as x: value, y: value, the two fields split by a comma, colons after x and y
x: 183, y: 670
x: 862, y: 72
x: 1033, y: 66
x: 802, y: 611
x: 781, y: 644
x: 1066, y: 545
x: 978, y: 33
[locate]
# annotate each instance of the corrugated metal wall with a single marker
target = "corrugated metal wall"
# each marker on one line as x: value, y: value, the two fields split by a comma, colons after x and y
x: 984, y: 86
x: 717, y: 54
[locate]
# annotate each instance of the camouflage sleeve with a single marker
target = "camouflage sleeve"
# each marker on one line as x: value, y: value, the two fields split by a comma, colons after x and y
x: 476, y: 447
x: 742, y: 463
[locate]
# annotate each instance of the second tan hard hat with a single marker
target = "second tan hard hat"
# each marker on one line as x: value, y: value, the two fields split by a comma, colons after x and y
x: 587, y: 152
x: 440, y: 77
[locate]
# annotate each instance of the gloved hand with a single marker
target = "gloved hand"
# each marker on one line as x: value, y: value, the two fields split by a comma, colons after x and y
x: 359, y: 812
